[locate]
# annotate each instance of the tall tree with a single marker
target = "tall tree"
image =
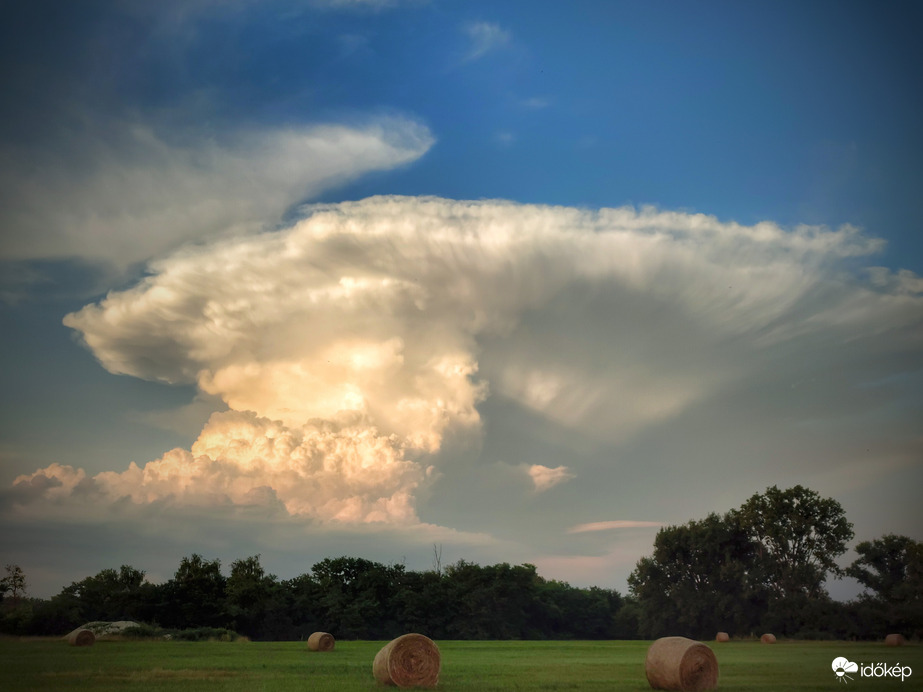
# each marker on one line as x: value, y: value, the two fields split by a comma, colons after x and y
x: 798, y: 536
x: 493, y: 602
x: 108, y: 595
x: 14, y: 583
x: 249, y: 591
x: 302, y: 597
x: 698, y: 580
x: 359, y: 595
x: 196, y: 595
x: 891, y: 566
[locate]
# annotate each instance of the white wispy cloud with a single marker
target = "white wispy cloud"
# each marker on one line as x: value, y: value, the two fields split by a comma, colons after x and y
x: 536, y: 102
x: 125, y: 193
x: 484, y: 37
x: 611, y: 525
x: 505, y: 138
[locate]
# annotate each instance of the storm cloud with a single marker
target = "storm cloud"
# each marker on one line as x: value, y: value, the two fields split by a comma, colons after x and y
x: 359, y: 350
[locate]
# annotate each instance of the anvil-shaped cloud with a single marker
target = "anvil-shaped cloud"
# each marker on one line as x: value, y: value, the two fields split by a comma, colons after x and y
x: 353, y: 346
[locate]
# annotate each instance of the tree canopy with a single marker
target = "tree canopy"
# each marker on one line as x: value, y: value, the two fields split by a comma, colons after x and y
x: 699, y: 579
x: 891, y: 567
x: 798, y: 536
x: 755, y: 565
x: 14, y: 583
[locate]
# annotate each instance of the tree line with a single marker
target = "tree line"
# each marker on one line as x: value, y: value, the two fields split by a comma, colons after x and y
x: 352, y: 598
x: 761, y: 567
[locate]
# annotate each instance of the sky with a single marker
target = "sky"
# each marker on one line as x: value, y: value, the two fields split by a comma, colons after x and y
x: 511, y: 282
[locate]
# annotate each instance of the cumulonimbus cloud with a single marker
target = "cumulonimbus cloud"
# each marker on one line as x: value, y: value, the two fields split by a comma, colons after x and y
x: 351, y: 346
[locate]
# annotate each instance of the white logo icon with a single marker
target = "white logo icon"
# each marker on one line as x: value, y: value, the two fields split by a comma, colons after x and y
x: 841, y: 666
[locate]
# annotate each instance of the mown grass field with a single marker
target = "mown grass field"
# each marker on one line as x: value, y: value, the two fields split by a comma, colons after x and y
x: 152, y: 666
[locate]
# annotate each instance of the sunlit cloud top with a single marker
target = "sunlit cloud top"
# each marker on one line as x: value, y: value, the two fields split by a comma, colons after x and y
x: 382, y: 307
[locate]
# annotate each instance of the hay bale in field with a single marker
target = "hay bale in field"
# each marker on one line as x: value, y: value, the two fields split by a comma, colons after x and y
x: 321, y: 641
x: 768, y: 638
x: 81, y: 637
x: 895, y: 640
x: 411, y: 660
x: 677, y: 663
x: 722, y: 637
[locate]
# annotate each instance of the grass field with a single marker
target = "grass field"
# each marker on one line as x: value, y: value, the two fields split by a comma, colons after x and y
x: 152, y: 666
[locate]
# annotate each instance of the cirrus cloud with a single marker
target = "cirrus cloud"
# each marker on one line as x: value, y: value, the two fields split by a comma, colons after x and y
x: 124, y: 193
x: 484, y: 37
x: 615, y: 524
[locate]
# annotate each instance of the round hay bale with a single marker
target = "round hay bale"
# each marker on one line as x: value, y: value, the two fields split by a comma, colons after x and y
x: 895, y: 640
x: 321, y: 641
x: 722, y: 637
x: 768, y: 638
x: 677, y: 663
x: 81, y: 637
x: 411, y: 660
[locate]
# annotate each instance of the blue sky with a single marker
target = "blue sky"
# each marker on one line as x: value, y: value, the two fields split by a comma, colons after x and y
x: 526, y: 279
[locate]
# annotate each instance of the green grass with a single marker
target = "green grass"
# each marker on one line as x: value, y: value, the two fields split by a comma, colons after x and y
x: 468, y: 666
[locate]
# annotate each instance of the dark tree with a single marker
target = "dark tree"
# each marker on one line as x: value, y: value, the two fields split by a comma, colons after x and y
x: 798, y: 536
x: 195, y: 596
x: 891, y: 567
x: 249, y: 592
x: 358, y: 596
x: 563, y: 611
x: 350, y: 597
x: 14, y: 583
x: 493, y: 602
x: 109, y: 595
x: 761, y: 565
x: 698, y: 580
x: 425, y: 604
x: 15, y: 609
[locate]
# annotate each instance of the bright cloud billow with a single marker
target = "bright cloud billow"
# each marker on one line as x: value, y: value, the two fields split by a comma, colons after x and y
x: 334, y: 471
x: 544, y: 477
x: 356, y: 346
